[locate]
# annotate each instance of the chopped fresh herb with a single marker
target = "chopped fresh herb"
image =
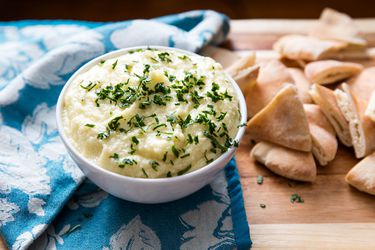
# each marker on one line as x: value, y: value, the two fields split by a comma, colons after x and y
x: 242, y: 125
x: 154, y: 165
x: 164, y: 57
x: 115, y: 156
x: 184, y: 57
x: 184, y: 156
x: 103, y: 135
x: 221, y: 116
x: 260, y: 179
x: 160, y: 125
x: 89, y: 125
x: 89, y: 87
x: 144, y: 172
x: 175, y: 151
x: 183, y: 171
x: 114, y: 64
x: 296, y: 198
x: 165, y: 156
x: 169, y: 174
x: 102, y: 62
x: 208, y: 161
x: 262, y: 205
x: 146, y: 70
x: 135, y: 140
x: 114, y: 123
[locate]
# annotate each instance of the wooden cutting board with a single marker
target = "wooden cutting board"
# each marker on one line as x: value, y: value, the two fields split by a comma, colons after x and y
x: 333, y: 214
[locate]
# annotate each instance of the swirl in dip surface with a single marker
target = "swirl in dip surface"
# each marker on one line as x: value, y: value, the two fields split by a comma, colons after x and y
x: 152, y: 113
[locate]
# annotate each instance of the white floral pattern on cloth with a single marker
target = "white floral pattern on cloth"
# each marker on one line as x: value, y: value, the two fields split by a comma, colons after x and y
x: 37, y: 177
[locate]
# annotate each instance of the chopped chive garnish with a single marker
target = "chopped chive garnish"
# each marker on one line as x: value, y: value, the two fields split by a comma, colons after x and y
x: 160, y: 125
x: 144, y: 172
x: 89, y: 125
x: 184, y: 156
x: 169, y: 174
x: 175, y: 151
x: 183, y: 171
x: 296, y: 198
x: 89, y: 87
x: 114, y: 64
x: 135, y: 140
x: 154, y: 165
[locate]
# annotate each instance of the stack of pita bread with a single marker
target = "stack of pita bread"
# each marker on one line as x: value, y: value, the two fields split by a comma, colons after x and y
x: 296, y: 113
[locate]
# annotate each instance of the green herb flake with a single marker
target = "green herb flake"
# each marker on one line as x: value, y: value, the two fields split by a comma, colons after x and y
x: 184, y: 156
x: 135, y: 140
x: 144, y: 172
x: 183, y: 171
x: 164, y: 57
x: 175, y: 151
x: 115, y: 156
x: 114, y: 64
x: 259, y: 179
x: 169, y: 174
x: 101, y: 62
x: 89, y: 87
x: 154, y: 165
x: 89, y: 125
x: 296, y: 198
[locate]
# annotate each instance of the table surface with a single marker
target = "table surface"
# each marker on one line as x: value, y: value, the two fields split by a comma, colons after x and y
x: 334, y: 215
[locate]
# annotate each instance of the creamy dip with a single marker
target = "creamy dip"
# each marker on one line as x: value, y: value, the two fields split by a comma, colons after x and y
x: 152, y: 113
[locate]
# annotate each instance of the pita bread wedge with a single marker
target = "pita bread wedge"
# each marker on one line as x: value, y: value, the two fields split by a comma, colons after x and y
x: 363, y: 85
x: 289, y: 163
x: 362, y: 129
x: 273, y: 75
x: 307, y: 48
x: 224, y: 56
x: 331, y: 71
x: 282, y: 121
x: 246, y: 78
x: 334, y: 25
x: 370, y: 110
x: 241, y: 64
x: 327, y: 102
x: 324, y: 142
x: 362, y: 175
x: 303, y: 85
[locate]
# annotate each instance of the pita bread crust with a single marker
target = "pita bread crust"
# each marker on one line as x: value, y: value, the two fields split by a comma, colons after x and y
x: 362, y: 175
x: 303, y: 85
x: 364, y: 84
x: 307, y: 48
x: 286, y: 162
x: 282, y: 121
x: 272, y: 77
x: 324, y: 142
x: 338, y: 26
x: 246, y: 78
x: 331, y: 71
x: 241, y: 64
x: 223, y: 56
x: 362, y: 129
x: 370, y: 110
x: 327, y: 102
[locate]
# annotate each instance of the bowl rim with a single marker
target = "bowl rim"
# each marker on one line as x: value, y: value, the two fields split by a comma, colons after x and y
x: 201, y: 170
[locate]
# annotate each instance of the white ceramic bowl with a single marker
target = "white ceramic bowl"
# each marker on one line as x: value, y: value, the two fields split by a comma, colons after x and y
x: 146, y: 190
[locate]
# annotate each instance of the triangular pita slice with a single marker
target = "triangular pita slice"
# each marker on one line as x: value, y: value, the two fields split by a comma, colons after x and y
x: 307, y: 48
x: 273, y: 75
x: 362, y: 129
x: 282, y: 121
x: 327, y: 102
x: 370, y: 110
x: 241, y: 64
x: 246, y: 78
x: 289, y: 163
x: 324, y: 142
x: 223, y: 56
x: 334, y: 25
x: 303, y: 85
x: 362, y: 175
x: 363, y: 85
x: 331, y: 71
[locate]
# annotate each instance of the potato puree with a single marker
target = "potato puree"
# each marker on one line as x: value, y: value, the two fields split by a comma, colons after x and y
x: 152, y: 113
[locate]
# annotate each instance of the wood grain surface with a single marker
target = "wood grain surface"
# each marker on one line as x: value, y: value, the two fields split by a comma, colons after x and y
x: 333, y: 215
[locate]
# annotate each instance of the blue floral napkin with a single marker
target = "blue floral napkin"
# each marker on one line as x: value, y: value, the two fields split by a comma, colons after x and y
x: 40, y: 205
